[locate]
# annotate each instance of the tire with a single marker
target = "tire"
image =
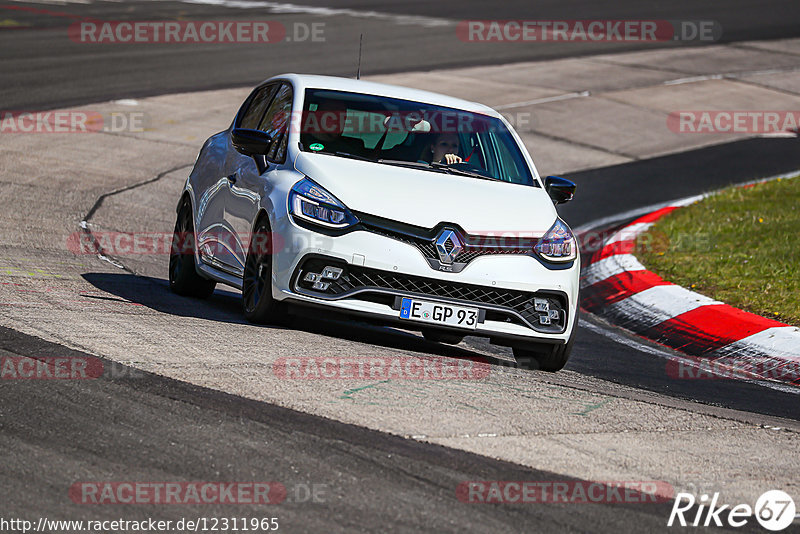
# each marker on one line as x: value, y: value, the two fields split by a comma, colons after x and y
x: 543, y: 357
x: 257, y: 302
x: 439, y: 336
x: 183, y: 276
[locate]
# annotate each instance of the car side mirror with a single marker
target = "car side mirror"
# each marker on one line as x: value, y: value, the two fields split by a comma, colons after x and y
x: 251, y: 142
x: 560, y: 189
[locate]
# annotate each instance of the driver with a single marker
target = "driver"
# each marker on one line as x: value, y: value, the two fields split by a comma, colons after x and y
x: 444, y: 149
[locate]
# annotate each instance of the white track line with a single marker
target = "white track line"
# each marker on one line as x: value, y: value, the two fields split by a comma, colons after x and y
x: 54, y: 2
x: 632, y: 214
x: 545, y: 100
x: 693, y: 79
x: 657, y: 304
x: 285, y: 8
x: 629, y: 233
x: 608, y: 267
x: 638, y: 212
x: 774, y: 339
x: 641, y: 347
x: 780, y: 342
x: 730, y: 75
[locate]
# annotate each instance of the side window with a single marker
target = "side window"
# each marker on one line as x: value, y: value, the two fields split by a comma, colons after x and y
x: 276, y: 123
x: 257, y: 106
x: 513, y: 167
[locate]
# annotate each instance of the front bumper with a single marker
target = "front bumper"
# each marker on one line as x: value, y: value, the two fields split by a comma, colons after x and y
x: 380, y: 268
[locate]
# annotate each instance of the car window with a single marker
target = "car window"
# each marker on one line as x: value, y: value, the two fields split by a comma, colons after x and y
x: 276, y: 123
x: 353, y: 118
x: 391, y: 131
x: 511, y: 163
x: 257, y: 106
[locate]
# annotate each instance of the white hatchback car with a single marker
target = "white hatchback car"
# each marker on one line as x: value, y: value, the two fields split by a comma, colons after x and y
x: 395, y: 204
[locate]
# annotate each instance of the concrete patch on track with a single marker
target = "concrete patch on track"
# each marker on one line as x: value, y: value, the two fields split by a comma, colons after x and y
x: 568, y: 422
x: 624, y: 116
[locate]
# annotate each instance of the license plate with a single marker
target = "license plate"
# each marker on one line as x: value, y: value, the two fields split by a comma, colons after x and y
x: 438, y: 313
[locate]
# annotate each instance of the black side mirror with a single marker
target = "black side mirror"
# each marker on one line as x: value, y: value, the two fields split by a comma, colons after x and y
x: 251, y: 142
x: 560, y: 189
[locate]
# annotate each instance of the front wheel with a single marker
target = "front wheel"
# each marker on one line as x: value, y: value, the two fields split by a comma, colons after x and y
x: 183, y: 277
x: 550, y: 358
x: 259, y: 306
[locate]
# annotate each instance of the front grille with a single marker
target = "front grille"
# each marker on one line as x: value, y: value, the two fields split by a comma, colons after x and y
x: 516, y: 306
x: 424, y: 240
x: 427, y: 248
x: 468, y: 253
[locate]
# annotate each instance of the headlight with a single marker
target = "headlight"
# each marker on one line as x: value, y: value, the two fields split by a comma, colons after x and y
x: 308, y: 201
x: 558, y: 244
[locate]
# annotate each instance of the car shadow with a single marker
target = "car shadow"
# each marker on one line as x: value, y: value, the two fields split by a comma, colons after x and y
x: 225, y: 306
x: 154, y: 293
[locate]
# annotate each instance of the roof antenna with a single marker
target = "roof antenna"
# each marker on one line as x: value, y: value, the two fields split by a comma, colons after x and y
x: 358, y: 72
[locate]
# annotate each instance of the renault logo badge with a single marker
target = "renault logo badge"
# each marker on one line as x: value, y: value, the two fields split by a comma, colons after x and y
x: 448, y: 246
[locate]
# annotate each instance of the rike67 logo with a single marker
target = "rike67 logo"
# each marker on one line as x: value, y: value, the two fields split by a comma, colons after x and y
x: 774, y: 510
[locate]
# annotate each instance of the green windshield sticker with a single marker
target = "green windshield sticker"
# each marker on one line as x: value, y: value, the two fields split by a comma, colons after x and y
x: 315, y: 146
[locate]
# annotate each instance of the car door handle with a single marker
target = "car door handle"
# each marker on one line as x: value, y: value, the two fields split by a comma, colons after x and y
x: 233, y: 177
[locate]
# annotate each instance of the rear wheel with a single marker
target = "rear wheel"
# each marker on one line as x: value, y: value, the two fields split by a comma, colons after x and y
x: 544, y: 357
x: 259, y: 306
x: 183, y: 276
x: 440, y: 336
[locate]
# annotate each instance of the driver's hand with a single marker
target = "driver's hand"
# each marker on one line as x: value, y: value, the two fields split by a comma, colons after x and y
x: 451, y: 158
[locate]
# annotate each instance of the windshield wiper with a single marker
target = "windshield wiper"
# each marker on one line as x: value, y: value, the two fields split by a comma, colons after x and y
x: 344, y: 155
x: 411, y: 164
x: 462, y: 172
x: 438, y: 167
x: 353, y: 156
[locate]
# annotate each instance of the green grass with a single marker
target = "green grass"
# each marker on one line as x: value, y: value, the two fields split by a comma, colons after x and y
x: 741, y: 246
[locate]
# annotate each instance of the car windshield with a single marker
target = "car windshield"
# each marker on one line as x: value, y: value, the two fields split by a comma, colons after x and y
x: 413, y: 134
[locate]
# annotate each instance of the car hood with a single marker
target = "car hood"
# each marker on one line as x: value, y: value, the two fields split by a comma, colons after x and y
x: 426, y: 198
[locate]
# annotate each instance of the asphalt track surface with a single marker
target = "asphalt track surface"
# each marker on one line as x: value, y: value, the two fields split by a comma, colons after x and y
x: 156, y: 428
x: 43, y: 69
x: 166, y: 430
